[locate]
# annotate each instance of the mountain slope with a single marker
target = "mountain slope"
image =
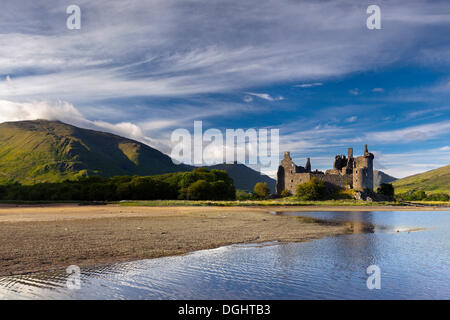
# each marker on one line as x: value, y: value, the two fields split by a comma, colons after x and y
x: 433, y: 181
x: 380, y: 177
x: 41, y: 150
x: 244, y: 177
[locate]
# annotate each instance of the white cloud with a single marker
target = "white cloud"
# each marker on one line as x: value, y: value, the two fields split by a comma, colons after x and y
x: 446, y: 148
x: 165, y: 56
x: 377, y: 90
x: 266, y: 96
x: 411, y: 134
x: 248, y: 99
x: 351, y: 119
x: 66, y: 112
x: 354, y: 92
x: 309, y: 85
x: 404, y: 164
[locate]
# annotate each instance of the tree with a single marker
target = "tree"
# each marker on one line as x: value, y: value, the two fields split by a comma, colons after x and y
x: 386, y: 189
x: 199, y: 190
x: 261, y: 190
x: 286, y: 193
x: 243, y: 195
x: 311, y: 190
x: 413, y: 195
x: 438, y: 197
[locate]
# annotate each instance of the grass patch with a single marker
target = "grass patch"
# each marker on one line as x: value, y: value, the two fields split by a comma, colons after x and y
x: 249, y: 203
x: 433, y: 203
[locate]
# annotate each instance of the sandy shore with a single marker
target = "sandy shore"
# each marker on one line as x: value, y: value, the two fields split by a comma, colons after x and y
x: 46, y: 237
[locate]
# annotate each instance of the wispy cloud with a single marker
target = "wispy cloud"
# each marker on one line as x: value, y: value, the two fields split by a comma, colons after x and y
x: 351, y: 119
x: 411, y: 134
x: 246, y: 49
x: 265, y: 96
x: 66, y: 112
x: 309, y: 85
x: 404, y: 164
x: 164, y: 55
x: 248, y: 99
x: 354, y: 92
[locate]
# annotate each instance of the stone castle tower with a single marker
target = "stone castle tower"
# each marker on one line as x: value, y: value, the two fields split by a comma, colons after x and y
x: 348, y: 172
x: 363, y: 171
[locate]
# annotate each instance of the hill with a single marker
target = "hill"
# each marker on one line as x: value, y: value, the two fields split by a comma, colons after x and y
x: 433, y: 181
x: 244, y: 177
x: 41, y: 150
x: 52, y: 151
x: 380, y: 177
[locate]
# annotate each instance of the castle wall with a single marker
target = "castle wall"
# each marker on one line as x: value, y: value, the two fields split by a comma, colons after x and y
x: 292, y: 181
x: 348, y: 172
x: 341, y: 181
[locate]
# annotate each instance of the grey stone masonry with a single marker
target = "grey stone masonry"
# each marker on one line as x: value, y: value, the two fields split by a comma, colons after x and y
x: 348, y: 172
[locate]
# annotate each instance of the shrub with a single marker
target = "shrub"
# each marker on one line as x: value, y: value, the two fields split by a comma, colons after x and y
x: 413, y: 195
x: 285, y: 193
x: 199, y: 190
x: 438, y: 197
x: 222, y: 191
x: 243, y: 195
x: 261, y: 190
x: 311, y: 190
x: 386, y: 189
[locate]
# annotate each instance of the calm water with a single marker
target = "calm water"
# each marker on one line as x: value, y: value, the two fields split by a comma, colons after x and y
x: 414, y: 265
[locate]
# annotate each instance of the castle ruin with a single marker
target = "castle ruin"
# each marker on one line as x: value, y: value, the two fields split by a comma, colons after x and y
x: 348, y: 172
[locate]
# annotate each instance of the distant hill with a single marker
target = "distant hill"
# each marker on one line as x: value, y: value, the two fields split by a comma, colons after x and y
x: 380, y: 177
x: 433, y: 181
x: 244, y: 177
x: 52, y: 151
x: 41, y: 150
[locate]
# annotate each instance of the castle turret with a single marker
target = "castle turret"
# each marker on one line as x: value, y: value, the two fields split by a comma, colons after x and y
x: 363, y: 171
x: 308, y: 165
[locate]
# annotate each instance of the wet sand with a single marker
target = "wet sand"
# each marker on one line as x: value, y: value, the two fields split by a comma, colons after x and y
x: 48, y: 237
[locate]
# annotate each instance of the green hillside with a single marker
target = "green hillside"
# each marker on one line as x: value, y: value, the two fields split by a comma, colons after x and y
x: 41, y: 150
x: 434, y: 181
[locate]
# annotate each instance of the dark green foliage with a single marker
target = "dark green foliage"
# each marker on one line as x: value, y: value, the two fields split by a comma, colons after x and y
x: 200, y: 184
x: 413, y: 195
x: 386, y: 189
x: 438, y: 197
x: 261, y: 190
x: 243, y: 195
x: 199, y: 190
x: 311, y: 190
x: 420, y: 195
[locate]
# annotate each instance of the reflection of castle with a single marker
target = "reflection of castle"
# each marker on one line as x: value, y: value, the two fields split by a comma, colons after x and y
x: 348, y: 172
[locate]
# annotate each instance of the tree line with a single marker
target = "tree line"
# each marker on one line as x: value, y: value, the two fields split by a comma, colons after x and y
x: 199, y: 184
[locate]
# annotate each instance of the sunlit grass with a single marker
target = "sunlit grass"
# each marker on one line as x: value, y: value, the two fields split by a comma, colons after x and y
x: 277, y: 202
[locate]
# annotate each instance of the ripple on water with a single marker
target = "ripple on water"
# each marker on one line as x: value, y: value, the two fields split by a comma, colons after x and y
x: 413, y: 265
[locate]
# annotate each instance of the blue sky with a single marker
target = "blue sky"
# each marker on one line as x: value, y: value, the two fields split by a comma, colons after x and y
x: 310, y: 68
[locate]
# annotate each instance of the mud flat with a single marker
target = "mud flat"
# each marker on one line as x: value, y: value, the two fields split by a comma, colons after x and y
x: 52, y: 237
x: 47, y: 237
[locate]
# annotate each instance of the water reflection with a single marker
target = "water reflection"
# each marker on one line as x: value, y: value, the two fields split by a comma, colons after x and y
x: 414, y: 265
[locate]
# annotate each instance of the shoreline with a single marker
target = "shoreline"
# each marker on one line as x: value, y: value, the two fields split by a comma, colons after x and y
x: 50, y: 237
